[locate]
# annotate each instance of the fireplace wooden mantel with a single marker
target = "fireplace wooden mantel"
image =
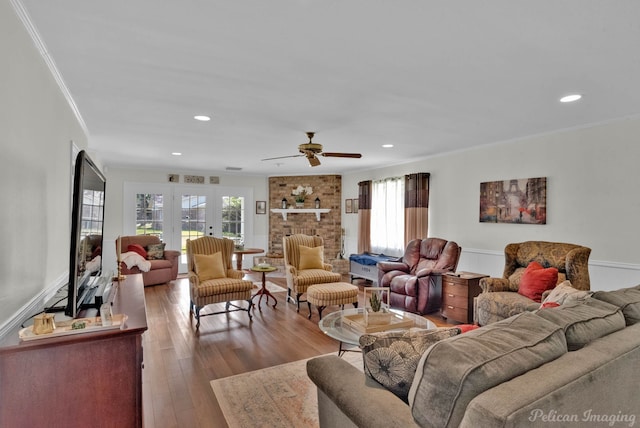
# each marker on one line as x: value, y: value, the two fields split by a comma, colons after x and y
x: 285, y: 211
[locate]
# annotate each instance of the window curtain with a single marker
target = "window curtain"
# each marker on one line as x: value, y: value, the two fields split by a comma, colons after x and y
x: 387, y: 216
x: 364, y: 217
x: 416, y: 206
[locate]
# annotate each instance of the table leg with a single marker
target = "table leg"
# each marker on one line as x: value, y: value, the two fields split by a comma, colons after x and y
x: 263, y: 292
x: 239, y: 262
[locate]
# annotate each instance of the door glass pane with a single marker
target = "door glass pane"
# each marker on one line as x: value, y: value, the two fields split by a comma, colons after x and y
x: 193, y: 218
x: 233, y: 218
x: 149, y: 215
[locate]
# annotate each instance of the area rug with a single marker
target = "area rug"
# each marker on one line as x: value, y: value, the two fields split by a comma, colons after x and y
x: 273, y: 288
x: 278, y: 396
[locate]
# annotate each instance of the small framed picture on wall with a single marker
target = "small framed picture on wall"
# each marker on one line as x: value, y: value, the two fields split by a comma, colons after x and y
x: 348, y: 206
x: 355, y: 206
x: 261, y: 207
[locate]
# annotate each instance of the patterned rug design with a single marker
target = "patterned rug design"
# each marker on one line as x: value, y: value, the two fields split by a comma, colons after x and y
x: 278, y: 396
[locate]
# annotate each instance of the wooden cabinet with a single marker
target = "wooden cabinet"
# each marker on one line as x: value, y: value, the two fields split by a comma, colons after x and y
x: 84, y: 380
x: 458, y: 292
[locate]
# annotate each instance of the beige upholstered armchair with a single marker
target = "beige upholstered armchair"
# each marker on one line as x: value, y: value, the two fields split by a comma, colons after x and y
x: 212, y: 278
x: 305, y: 266
x: 500, y: 298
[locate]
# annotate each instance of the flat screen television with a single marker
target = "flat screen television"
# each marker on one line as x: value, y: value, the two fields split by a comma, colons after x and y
x: 87, y: 220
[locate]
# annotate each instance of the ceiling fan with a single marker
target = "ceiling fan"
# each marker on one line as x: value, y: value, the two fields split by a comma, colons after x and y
x: 311, y: 150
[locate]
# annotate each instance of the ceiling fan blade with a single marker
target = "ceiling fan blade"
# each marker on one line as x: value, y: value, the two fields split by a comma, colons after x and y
x: 341, y: 155
x: 313, y: 160
x: 282, y: 157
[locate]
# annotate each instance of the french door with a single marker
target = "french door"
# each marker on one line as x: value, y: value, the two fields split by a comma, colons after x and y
x: 177, y: 212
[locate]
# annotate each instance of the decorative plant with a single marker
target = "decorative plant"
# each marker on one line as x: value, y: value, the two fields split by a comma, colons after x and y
x: 300, y: 193
x: 375, y: 302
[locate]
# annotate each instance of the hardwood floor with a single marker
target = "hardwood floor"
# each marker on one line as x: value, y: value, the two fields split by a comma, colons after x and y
x: 179, y: 362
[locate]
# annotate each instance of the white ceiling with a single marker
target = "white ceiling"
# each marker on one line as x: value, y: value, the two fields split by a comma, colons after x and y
x: 427, y: 76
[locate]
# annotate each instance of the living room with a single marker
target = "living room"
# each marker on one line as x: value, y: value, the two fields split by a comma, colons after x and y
x: 591, y: 173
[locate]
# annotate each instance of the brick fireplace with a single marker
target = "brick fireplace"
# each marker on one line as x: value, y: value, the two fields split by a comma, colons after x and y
x: 328, y: 188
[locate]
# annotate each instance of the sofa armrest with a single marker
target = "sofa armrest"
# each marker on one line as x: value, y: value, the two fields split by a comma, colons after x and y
x: 364, y: 402
x: 428, y: 272
x: 389, y: 266
x: 494, y: 284
x: 171, y: 254
x: 327, y: 267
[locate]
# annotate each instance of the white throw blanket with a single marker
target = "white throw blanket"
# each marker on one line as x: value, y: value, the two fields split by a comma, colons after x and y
x: 131, y: 259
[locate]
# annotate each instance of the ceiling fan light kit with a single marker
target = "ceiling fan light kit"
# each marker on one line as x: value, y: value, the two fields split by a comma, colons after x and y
x: 310, y: 150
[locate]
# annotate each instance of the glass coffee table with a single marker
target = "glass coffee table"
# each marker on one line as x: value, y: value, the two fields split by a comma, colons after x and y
x: 333, y: 326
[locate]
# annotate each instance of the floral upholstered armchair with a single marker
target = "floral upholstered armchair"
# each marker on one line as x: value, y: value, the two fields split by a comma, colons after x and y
x: 500, y: 298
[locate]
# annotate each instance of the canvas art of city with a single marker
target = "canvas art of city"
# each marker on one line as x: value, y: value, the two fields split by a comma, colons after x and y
x: 521, y: 200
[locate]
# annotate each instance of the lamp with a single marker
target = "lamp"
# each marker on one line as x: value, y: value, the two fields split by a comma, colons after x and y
x: 284, y: 203
x: 317, y: 202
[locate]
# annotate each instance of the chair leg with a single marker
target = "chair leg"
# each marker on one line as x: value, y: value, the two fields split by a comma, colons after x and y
x: 309, y: 305
x: 197, y: 317
x: 298, y: 301
x: 320, y: 309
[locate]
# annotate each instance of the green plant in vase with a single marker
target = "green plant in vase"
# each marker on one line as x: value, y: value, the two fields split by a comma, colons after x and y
x: 376, y: 316
x: 375, y: 302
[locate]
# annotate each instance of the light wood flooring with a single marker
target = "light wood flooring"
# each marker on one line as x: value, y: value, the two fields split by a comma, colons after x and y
x: 179, y: 362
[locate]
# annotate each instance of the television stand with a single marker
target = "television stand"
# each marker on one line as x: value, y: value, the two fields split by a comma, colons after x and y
x: 55, y: 379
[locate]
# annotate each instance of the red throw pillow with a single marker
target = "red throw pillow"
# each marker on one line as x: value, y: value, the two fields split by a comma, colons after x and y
x: 467, y: 327
x: 138, y: 249
x: 536, y: 280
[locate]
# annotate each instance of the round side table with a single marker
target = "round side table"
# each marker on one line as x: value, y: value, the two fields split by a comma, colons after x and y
x: 263, y: 291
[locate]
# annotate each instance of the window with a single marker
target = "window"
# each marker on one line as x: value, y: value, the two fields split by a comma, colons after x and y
x: 387, y: 216
x: 149, y: 214
x: 233, y: 218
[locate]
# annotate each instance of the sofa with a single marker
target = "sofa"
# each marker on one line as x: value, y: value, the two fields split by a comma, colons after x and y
x: 414, y: 280
x: 500, y: 298
x: 570, y: 365
x: 158, y: 268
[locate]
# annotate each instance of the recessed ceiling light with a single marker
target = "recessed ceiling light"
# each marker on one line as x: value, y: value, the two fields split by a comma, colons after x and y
x: 202, y: 118
x: 570, y: 98
x: 387, y: 146
x: 176, y: 154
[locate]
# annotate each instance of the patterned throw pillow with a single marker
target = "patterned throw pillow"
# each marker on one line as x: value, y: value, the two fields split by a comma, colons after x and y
x: 391, y: 358
x: 155, y: 251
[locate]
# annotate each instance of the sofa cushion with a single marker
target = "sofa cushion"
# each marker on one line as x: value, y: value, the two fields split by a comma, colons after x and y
x: 498, y: 305
x: 564, y: 293
x: 311, y: 257
x: 536, y: 280
x: 627, y: 299
x: 137, y: 248
x: 391, y: 358
x: 155, y: 251
x: 585, y: 321
x: 209, y: 266
x: 452, y: 372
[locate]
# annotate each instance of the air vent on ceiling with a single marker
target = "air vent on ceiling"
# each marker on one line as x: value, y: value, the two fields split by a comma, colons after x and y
x: 233, y: 168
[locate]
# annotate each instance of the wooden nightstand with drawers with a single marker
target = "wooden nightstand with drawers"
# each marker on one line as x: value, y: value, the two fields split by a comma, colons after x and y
x: 458, y: 292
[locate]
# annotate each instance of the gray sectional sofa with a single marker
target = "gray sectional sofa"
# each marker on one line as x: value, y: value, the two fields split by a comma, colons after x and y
x: 573, y: 365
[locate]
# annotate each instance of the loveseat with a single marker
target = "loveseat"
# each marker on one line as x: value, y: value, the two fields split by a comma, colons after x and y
x: 571, y: 365
x: 158, y: 268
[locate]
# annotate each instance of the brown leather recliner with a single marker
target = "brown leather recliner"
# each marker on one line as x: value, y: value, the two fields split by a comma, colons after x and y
x: 414, y: 280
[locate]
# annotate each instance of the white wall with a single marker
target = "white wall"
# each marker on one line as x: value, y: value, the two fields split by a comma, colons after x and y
x: 592, y: 198
x: 36, y: 128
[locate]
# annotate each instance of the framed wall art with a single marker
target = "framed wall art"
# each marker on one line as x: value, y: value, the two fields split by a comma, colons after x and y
x: 355, y: 206
x: 348, y: 206
x: 520, y: 201
x: 261, y: 207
